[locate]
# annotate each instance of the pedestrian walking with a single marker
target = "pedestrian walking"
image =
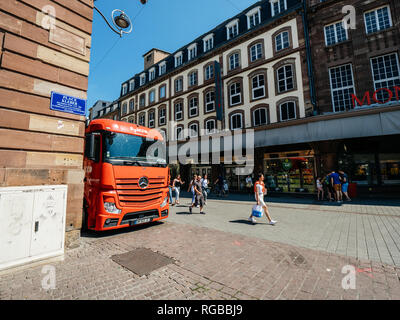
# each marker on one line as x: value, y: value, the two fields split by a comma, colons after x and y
x: 204, y: 186
x: 320, y: 189
x: 220, y: 185
x: 199, y: 196
x: 176, y: 186
x: 226, y: 188
x: 259, y: 192
x: 191, y: 188
x: 345, y: 184
x: 337, y: 185
x: 170, y: 191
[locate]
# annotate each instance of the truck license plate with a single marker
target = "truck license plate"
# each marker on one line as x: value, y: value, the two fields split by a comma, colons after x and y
x: 140, y: 221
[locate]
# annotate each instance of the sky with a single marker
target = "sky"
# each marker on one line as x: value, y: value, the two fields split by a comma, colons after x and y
x: 164, y: 24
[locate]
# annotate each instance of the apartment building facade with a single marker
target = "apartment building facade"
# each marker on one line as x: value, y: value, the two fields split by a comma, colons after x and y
x: 260, y: 58
x: 292, y: 72
x: 357, y: 80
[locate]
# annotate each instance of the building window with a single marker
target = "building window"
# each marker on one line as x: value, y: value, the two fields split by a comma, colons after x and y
x: 253, y: 18
x: 193, y: 78
x: 193, y: 130
x: 288, y: 110
x: 235, y: 94
x: 142, y: 100
x: 178, y: 111
x: 179, y: 133
x: 162, y: 117
x: 131, y: 85
x: 209, y: 72
x: 151, y: 119
x: 131, y: 120
x: 193, y: 107
x: 256, y: 52
x: 142, y: 79
x: 178, y: 84
x: 386, y: 74
x: 342, y: 86
x: 163, y: 68
x: 152, y: 96
x: 124, y: 108
x: 260, y: 117
x: 208, y: 42
x: 234, y: 61
x: 163, y: 92
x: 258, y: 86
x: 210, y: 101
x: 152, y: 74
x: 236, y: 121
x: 131, y: 106
x: 278, y: 6
x: 378, y: 19
x: 210, y: 126
x: 232, y: 29
x: 192, y: 51
x: 124, y: 89
x: 335, y: 33
x: 282, y: 41
x: 178, y: 59
x: 142, y: 119
x: 285, y: 78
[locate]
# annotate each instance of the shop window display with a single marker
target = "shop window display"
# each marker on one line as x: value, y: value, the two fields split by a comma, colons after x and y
x: 290, y: 174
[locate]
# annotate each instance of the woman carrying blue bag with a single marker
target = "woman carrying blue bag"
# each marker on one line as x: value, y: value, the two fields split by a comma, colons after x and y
x: 260, y: 191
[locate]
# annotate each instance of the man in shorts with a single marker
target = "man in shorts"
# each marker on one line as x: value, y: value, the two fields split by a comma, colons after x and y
x: 337, y: 185
x: 198, y: 195
x: 260, y: 191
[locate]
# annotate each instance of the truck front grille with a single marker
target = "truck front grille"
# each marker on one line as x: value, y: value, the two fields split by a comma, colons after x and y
x: 131, y: 195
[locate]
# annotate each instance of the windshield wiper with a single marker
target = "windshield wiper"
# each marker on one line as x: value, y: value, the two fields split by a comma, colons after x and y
x: 133, y: 163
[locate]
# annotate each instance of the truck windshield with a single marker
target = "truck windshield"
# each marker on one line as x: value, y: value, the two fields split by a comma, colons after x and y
x: 127, y: 149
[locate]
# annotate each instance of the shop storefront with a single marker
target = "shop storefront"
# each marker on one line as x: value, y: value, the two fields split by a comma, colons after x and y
x: 292, y: 172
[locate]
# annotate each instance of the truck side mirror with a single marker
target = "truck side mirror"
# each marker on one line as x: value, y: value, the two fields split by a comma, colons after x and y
x: 93, y: 147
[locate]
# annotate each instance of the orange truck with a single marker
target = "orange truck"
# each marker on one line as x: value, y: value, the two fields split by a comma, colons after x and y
x: 126, y: 176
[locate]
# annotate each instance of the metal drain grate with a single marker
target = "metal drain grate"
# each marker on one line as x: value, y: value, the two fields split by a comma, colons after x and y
x: 142, y: 261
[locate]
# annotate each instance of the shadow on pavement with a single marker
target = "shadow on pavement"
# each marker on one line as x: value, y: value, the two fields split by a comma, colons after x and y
x: 243, y: 221
x: 109, y: 233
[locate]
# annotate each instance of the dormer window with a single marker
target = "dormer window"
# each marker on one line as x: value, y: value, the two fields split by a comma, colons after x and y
x: 131, y: 85
x: 208, y: 42
x: 253, y: 17
x: 278, y: 6
x: 124, y: 89
x: 152, y: 74
x: 163, y: 68
x: 178, y: 59
x: 232, y: 29
x: 142, y: 79
x: 192, y: 51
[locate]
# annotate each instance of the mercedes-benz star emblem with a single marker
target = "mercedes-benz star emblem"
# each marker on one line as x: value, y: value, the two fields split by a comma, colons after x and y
x: 143, y: 182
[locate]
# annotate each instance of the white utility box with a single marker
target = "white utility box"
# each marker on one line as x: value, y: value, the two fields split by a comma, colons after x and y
x: 32, y: 224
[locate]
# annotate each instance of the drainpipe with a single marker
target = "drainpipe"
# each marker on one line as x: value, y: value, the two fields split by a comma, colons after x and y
x: 309, y: 58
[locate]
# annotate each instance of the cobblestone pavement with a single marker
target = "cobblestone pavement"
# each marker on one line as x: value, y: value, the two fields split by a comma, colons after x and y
x: 360, y: 230
x: 209, y: 264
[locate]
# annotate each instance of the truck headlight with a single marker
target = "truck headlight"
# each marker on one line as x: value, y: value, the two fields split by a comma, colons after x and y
x: 111, y: 208
x: 164, y: 202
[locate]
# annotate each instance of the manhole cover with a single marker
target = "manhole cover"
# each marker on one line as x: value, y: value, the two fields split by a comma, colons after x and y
x: 142, y: 261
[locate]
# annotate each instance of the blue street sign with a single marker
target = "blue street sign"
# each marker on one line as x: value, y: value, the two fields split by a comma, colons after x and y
x: 68, y: 104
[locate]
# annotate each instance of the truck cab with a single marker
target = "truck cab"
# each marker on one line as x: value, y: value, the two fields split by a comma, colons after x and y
x: 126, y: 176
